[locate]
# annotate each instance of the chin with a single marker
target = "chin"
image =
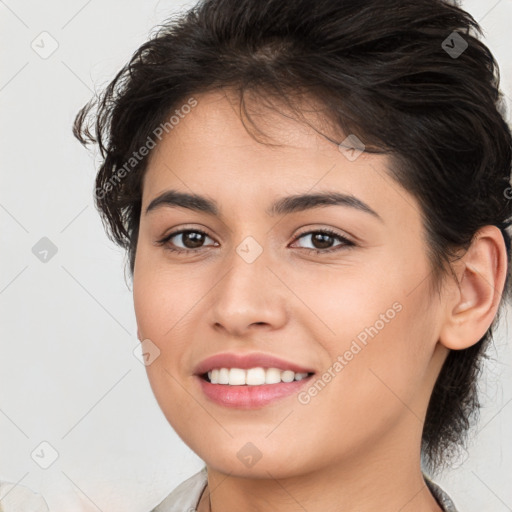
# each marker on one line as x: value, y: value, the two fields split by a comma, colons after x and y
x: 272, y: 467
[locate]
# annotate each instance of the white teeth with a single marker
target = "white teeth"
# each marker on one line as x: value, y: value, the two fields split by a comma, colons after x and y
x: 253, y: 376
x: 287, y: 376
x: 236, y: 377
x: 272, y: 376
x: 223, y: 376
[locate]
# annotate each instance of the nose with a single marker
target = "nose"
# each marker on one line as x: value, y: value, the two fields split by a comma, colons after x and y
x: 248, y: 296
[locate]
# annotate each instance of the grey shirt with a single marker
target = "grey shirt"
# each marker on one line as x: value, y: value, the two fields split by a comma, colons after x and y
x: 185, y: 497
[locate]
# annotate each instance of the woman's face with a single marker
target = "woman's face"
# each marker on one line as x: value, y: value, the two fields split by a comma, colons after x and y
x: 352, y: 306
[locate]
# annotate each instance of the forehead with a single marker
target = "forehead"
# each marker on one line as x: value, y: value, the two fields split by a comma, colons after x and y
x: 220, y: 120
x: 214, y: 135
x: 210, y: 152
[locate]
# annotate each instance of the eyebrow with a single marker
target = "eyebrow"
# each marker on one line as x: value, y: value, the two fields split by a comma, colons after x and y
x: 284, y: 205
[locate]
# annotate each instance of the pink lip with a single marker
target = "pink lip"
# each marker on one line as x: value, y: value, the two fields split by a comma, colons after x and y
x: 246, y: 361
x: 248, y: 397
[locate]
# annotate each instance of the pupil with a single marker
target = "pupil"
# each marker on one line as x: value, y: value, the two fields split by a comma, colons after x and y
x: 195, y: 238
x: 323, y: 238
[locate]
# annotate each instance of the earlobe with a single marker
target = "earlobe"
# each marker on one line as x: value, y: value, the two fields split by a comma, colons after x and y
x: 473, y: 303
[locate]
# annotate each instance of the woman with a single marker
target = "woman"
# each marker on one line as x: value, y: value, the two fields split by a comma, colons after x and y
x: 314, y: 201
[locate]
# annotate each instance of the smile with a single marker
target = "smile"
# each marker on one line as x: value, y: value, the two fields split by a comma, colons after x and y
x: 249, y: 380
x: 253, y: 376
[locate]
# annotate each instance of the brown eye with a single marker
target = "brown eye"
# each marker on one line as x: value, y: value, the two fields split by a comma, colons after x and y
x: 322, y: 241
x: 191, y: 240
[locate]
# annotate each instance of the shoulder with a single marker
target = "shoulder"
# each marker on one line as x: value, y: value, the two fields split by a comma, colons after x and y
x: 440, y: 495
x: 18, y: 498
x: 186, y: 496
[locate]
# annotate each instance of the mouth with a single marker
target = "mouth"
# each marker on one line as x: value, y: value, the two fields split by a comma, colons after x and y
x: 257, y: 376
x: 252, y: 388
x: 249, y: 380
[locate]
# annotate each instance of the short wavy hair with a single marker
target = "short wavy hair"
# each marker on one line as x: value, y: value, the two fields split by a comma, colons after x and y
x: 410, y: 79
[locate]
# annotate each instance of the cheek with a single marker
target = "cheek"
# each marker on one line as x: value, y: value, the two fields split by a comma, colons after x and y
x: 378, y: 329
x: 165, y: 302
x: 163, y: 295
x: 161, y: 317
x: 395, y: 368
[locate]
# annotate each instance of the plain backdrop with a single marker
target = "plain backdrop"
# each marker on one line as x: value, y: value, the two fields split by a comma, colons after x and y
x: 69, y: 377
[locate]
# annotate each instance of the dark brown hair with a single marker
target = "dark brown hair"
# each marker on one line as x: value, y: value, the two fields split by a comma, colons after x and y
x: 409, y: 78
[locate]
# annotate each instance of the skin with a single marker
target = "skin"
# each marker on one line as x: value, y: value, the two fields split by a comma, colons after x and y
x: 356, y: 444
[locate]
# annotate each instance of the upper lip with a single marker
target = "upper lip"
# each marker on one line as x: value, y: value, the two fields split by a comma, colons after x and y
x: 246, y: 361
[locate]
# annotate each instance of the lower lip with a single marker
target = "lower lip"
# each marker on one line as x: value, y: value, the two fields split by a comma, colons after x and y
x: 250, y: 397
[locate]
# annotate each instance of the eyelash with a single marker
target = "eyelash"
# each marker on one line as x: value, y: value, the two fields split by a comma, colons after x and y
x: 346, y: 243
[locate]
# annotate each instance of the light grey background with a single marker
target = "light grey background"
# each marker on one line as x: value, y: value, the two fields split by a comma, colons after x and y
x: 68, y: 373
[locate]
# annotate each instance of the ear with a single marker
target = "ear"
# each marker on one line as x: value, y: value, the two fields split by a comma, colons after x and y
x: 472, y: 306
